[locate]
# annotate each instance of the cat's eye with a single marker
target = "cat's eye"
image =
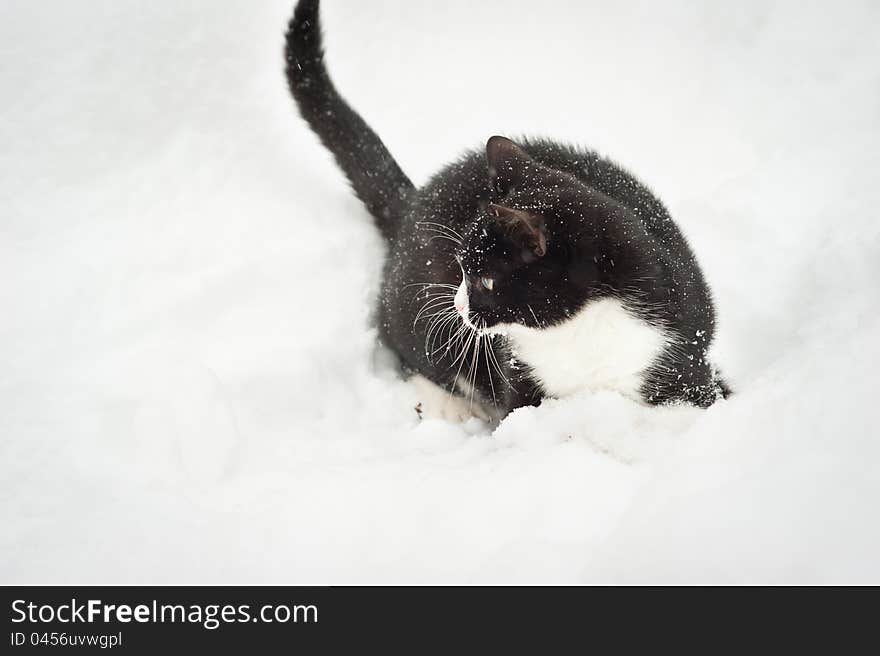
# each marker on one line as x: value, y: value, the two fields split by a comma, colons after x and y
x: 488, y: 283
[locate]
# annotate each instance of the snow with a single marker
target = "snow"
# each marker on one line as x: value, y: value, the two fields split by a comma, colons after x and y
x: 191, y: 391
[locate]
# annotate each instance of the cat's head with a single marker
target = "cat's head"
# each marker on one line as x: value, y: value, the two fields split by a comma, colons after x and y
x: 516, y: 262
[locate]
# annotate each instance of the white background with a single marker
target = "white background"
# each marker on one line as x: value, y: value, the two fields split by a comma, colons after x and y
x: 189, y: 385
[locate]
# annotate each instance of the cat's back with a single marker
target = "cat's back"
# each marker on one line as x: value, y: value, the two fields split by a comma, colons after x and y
x: 455, y: 194
x: 610, y: 179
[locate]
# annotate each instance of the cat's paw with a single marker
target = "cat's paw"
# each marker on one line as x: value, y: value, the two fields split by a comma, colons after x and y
x: 436, y: 403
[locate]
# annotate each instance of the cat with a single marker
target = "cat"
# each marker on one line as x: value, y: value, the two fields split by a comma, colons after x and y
x: 526, y: 270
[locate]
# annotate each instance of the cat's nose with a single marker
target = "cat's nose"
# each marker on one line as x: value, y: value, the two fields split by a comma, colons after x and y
x: 459, y: 306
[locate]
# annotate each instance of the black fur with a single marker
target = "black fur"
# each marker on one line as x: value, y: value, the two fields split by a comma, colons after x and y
x: 556, y: 227
x: 375, y: 176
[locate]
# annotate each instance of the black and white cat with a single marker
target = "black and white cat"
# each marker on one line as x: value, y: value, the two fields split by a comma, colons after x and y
x: 527, y: 270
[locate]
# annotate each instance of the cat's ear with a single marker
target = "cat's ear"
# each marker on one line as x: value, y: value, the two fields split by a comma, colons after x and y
x: 526, y: 227
x: 507, y: 163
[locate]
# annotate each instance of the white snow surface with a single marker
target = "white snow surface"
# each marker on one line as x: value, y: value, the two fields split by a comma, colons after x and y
x: 191, y: 390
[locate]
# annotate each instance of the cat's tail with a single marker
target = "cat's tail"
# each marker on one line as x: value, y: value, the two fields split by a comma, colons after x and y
x: 374, y: 175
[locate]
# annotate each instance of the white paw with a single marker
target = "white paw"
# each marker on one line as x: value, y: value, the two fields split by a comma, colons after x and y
x: 434, y: 402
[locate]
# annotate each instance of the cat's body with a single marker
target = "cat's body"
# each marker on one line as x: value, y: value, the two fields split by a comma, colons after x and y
x: 531, y: 269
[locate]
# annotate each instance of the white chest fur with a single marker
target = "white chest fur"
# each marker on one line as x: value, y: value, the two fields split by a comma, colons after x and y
x: 603, y: 346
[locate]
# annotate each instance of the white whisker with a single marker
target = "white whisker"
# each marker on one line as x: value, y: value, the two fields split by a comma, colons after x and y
x: 441, y: 226
x: 461, y: 358
x: 538, y: 323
